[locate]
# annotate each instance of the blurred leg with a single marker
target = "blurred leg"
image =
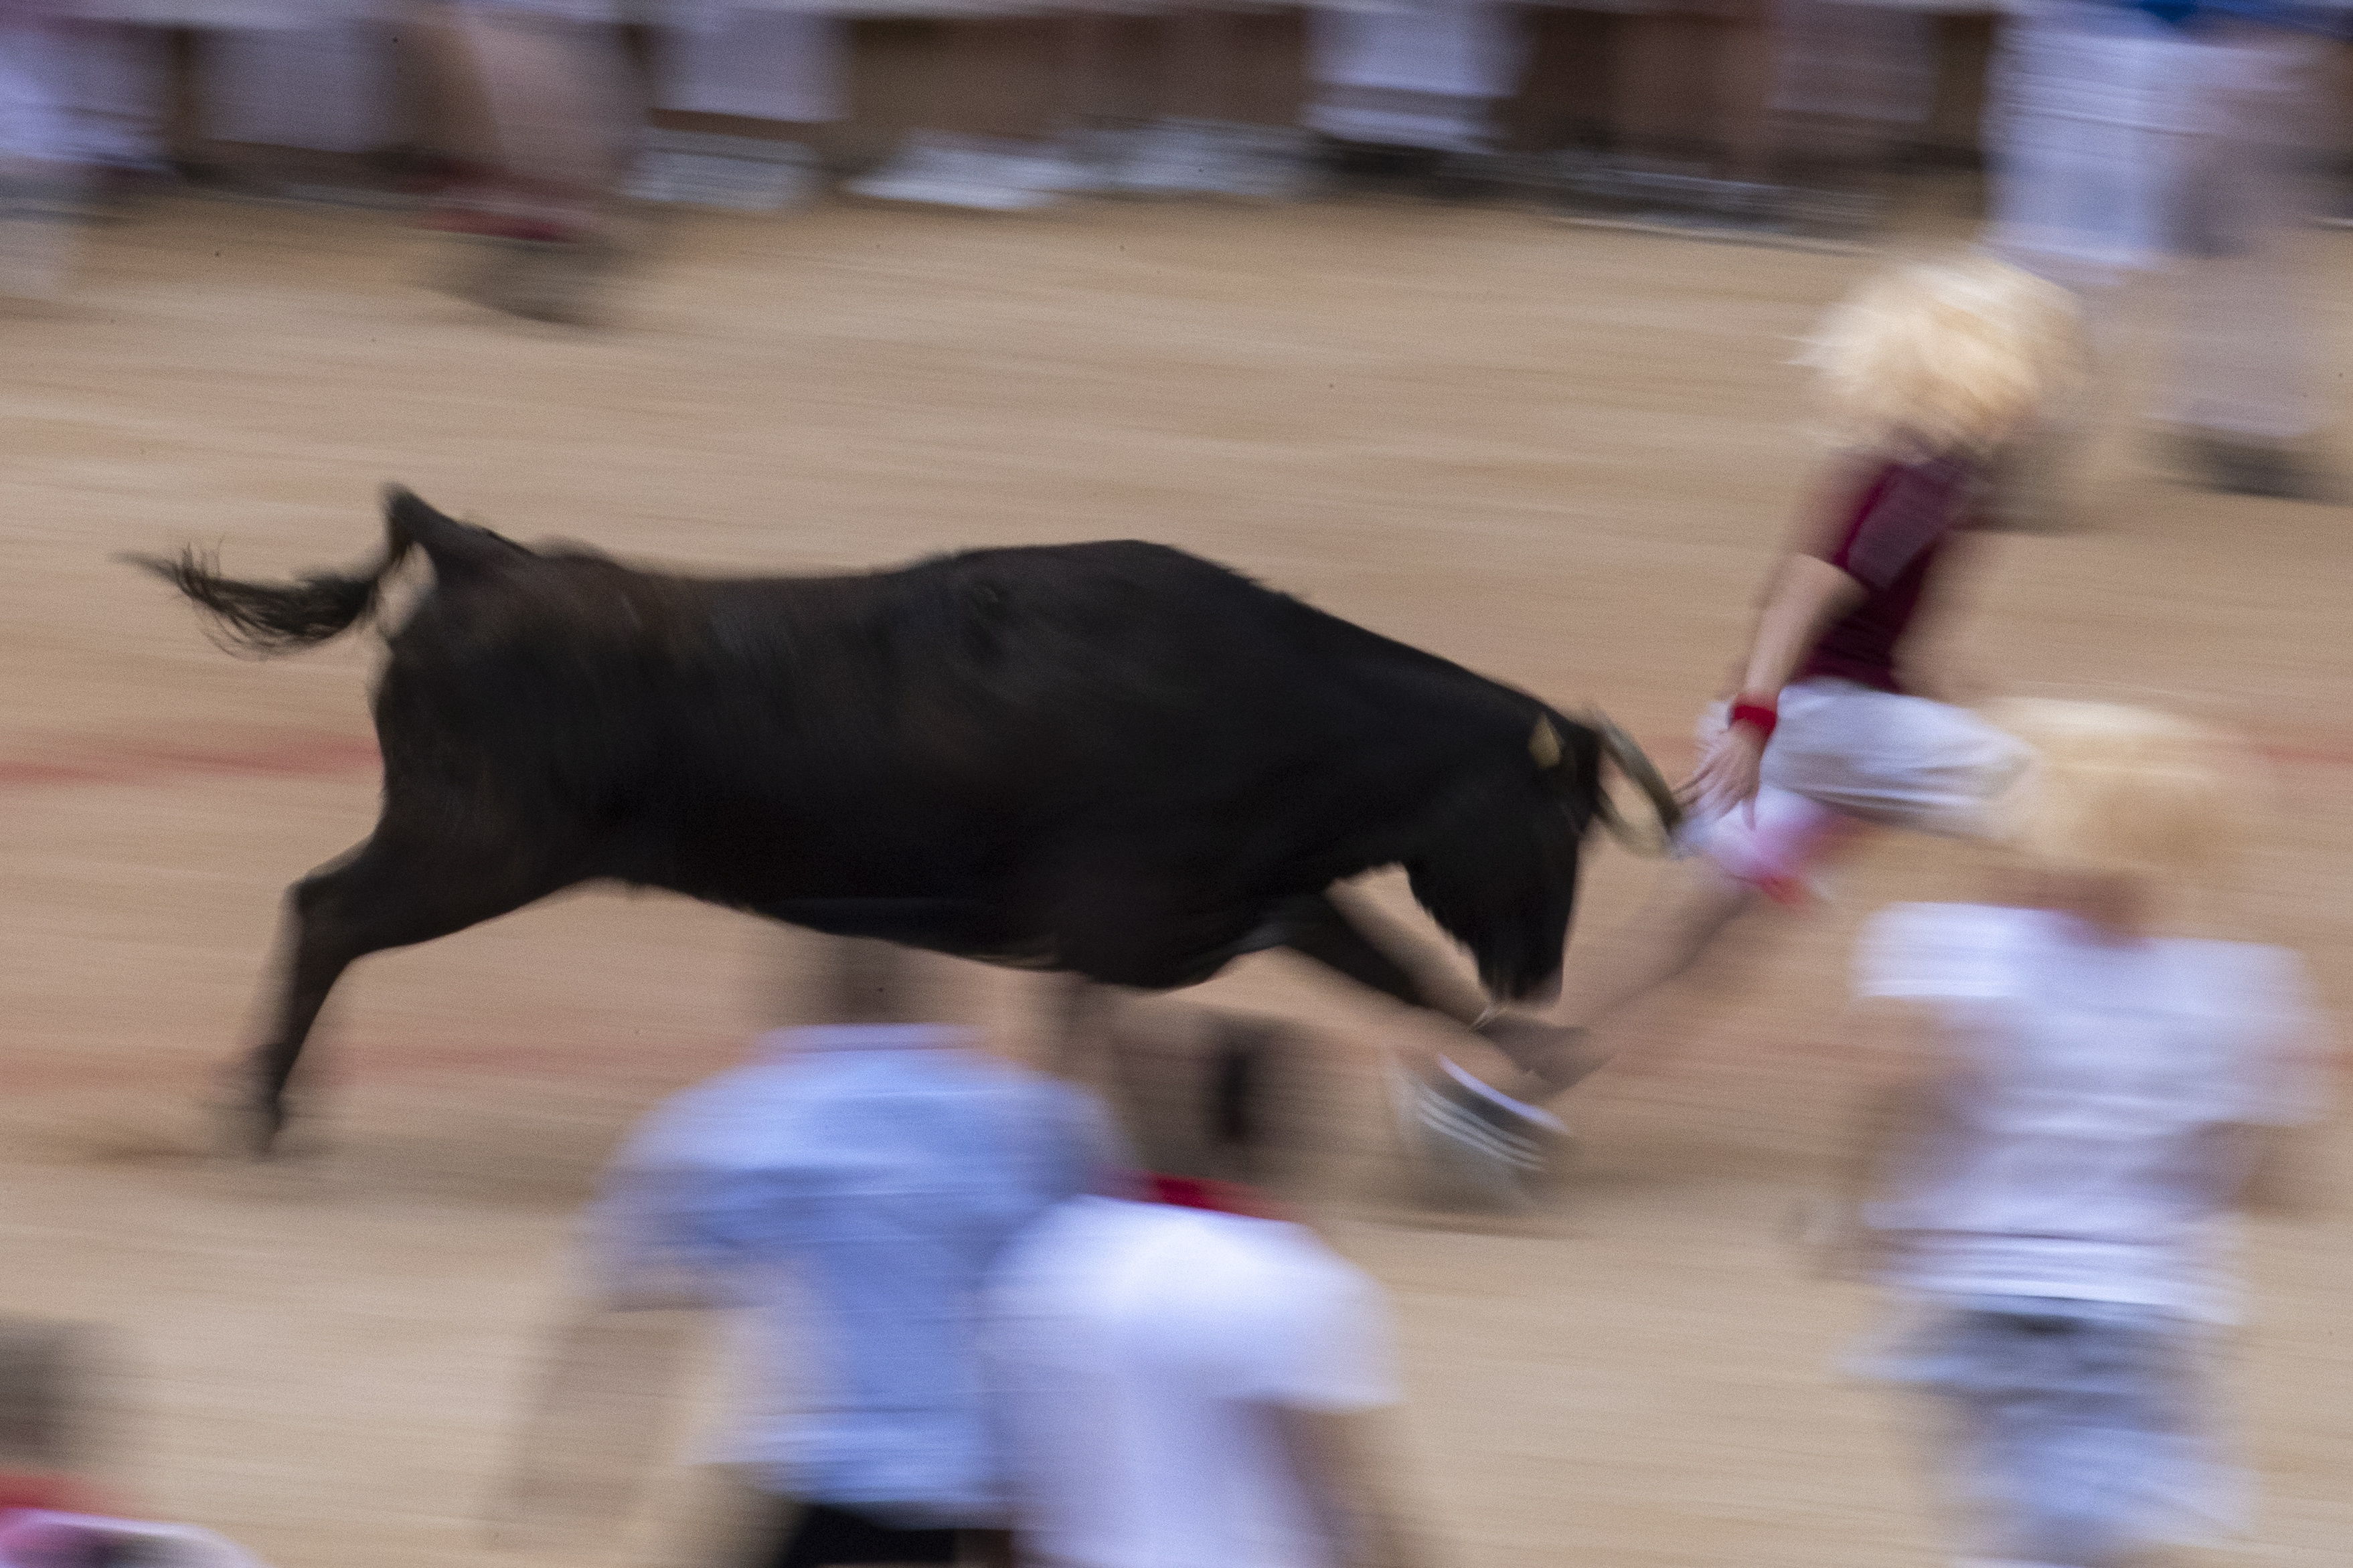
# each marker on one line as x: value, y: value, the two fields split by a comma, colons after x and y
x: 541, y: 106
x: 1663, y: 943
x: 560, y: 109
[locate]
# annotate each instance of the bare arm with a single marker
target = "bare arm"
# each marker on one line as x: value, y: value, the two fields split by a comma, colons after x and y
x: 1807, y: 596
x: 1341, y: 1461
x: 1808, y: 593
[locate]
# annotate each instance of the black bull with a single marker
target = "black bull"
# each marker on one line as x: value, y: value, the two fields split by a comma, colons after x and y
x: 1113, y: 759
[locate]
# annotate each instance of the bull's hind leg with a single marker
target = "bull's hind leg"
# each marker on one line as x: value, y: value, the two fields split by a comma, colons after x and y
x: 395, y: 890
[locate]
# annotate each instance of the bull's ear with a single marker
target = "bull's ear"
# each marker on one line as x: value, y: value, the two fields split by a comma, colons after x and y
x: 403, y: 507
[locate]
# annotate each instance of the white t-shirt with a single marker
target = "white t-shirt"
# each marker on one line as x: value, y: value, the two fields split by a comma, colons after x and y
x: 2078, y: 1154
x: 1143, y: 1352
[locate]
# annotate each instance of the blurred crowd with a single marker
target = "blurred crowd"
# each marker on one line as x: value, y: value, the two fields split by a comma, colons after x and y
x: 2122, y: 139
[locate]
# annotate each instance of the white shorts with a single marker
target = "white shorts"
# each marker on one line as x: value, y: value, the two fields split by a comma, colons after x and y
x: 1843, y: 753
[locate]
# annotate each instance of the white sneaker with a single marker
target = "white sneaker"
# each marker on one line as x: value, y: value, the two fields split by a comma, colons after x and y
x: 1475, y: 1140
x: 939, y: 169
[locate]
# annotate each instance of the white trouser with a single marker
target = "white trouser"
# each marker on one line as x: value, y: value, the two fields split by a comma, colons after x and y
x: 763, y: 64
x: 1423, y: 75
x: 1847, y: 751
x: 2121, y: 146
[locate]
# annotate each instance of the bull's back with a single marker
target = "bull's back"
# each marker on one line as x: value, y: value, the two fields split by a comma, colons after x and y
x: 959, y: 712
x: 1188, y: 688
x: 1156, y: 615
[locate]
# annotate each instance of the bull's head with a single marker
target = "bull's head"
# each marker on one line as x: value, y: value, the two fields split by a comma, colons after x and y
x: 1500, y: 875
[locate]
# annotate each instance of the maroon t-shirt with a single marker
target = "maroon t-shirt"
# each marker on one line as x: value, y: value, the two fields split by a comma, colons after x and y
x: 1893, y: 533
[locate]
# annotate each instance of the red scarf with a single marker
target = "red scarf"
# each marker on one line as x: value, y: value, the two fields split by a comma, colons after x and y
x: 1197, y: 1193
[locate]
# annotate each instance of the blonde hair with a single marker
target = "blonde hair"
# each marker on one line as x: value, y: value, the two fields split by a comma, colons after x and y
x: 1944, y: 356
x: 2111, y: 788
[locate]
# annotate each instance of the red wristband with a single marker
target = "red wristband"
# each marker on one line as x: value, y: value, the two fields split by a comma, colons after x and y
x: 1760, y: 717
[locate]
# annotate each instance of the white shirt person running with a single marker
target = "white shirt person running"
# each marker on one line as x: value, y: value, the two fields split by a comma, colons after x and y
x: 2054, y: 1195
x: 1163, y: 1372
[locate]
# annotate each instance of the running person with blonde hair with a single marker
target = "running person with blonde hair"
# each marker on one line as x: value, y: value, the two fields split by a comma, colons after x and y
x: 2099, y: 1097
x: 1928, y: 375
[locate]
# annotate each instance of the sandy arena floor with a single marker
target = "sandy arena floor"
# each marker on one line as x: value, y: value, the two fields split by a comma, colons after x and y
x: 1557, y: 455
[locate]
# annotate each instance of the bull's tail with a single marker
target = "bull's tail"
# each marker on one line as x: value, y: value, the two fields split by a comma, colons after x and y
x: 264, y: 619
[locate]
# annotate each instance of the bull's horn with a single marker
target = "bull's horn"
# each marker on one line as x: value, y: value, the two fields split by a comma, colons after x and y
x: 1618, y: 747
